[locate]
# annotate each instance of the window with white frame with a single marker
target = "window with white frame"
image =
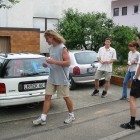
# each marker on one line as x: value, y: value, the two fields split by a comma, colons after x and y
x: 44, y: 23
x: 124, y: 11
x: 116, y: 12
x: 136, y: 9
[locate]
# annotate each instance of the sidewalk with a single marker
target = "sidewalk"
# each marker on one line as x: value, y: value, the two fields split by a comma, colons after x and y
x: 81, y: 98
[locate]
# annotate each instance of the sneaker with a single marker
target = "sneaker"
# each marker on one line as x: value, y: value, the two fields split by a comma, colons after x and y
x: 104, y: 94
x: 69, y: 119
x: 127, y: 126
x: 95, y: 92
x: 137, y: 122
x: 39, y: 121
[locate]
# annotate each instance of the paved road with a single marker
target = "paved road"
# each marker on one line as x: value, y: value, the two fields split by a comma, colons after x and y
x: 96, y: 118
x: 92, y: 123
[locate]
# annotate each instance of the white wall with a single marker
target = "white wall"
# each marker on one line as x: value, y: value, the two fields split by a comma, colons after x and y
x: 130, y: 19
x: 3, y: 17
x: 43, y: 44
x: 21, y: 14
x: 54, y: 8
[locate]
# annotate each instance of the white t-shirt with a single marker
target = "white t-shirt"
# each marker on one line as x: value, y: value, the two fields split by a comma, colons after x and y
x: 106, y: 55
x: 133, y: 57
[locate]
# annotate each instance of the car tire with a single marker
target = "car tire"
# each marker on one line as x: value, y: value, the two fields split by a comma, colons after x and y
x: 72, y: 84
x: 102, y: 82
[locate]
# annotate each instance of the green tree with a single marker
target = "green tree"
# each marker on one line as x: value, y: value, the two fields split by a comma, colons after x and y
x: 122, y: 36
x: 3, y: 3
x: 87, y: 30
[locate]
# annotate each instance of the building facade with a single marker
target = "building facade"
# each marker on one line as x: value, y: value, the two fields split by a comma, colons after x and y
x: 44, y: 14
x: 19, y: 40
x: 126, y: 12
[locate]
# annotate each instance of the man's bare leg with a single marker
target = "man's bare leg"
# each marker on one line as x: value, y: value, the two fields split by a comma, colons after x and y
x: 96, y: 83
x: 47, y: 104
x: 69, y: 104
x: 107, y: 84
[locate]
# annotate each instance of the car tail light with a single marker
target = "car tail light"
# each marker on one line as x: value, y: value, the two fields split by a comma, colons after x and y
x: 2, y: 88
x: 76, y: 70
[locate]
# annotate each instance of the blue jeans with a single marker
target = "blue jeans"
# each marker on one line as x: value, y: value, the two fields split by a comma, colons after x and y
x: 128, y: 75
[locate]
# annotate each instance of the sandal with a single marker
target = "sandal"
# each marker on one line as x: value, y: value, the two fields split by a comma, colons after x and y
x: 122, y: 98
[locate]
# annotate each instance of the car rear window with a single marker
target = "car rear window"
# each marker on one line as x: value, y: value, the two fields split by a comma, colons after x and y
x: 1, y: 63
x: 86, y: 57
x: 25, y: 67
x: 1, y: 60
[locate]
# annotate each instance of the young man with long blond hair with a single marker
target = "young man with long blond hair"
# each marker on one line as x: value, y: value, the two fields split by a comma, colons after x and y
x: 58, y: 77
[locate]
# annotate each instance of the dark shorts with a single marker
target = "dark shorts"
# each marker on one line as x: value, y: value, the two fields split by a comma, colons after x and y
x: 135, y: 89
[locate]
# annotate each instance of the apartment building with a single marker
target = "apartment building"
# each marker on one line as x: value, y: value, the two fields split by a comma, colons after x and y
x: 126, y: 12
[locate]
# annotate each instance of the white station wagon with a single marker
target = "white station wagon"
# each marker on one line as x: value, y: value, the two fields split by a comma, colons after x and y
x: 22, y: 78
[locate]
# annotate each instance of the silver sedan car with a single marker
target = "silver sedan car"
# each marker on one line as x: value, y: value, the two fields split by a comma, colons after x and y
x: 83, y: 67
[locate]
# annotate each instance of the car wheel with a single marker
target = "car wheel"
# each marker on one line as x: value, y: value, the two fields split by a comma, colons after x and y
x: 102, y: 82
x: 72, y: 84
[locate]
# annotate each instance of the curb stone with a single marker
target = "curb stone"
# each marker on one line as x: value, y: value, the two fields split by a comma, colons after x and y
x: 121, y: 134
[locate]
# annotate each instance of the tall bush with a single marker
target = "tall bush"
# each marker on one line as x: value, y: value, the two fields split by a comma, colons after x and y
x: 122, y: 36
x: 87, y: 30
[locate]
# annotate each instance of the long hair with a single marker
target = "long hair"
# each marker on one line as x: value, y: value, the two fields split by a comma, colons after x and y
x: 58, y: 38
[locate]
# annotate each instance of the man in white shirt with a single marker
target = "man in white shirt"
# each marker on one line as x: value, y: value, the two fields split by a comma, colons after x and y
x: 106, y: 56
x: 134, y: 94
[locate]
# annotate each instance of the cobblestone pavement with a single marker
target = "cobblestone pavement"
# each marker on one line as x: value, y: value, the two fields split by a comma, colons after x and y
x: 81, y: 98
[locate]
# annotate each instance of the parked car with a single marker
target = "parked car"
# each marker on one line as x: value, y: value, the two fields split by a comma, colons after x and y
x: 83, y: 67
x: 22, y: 78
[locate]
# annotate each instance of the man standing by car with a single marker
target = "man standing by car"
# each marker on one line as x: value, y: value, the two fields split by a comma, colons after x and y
x: 58, y: 77
x: 106, y: 56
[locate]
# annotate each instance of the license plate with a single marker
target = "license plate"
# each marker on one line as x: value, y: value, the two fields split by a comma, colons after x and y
x: 91, y: 70
x: 34, y: 86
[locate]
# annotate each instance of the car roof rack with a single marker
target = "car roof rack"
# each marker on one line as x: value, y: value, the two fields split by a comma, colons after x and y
x: 26, y: 52
x: 3, y: 54
x: 12, y: 53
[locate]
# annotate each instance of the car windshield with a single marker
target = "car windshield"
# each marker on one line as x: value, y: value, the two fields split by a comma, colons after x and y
x: 86, y: 57
x: 25, y: 67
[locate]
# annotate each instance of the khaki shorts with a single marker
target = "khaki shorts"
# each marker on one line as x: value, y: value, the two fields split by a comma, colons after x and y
x: 62, y: 90
x: 99, y: 75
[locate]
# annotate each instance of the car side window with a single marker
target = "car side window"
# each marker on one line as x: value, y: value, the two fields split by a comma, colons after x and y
x: 14, y: 69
